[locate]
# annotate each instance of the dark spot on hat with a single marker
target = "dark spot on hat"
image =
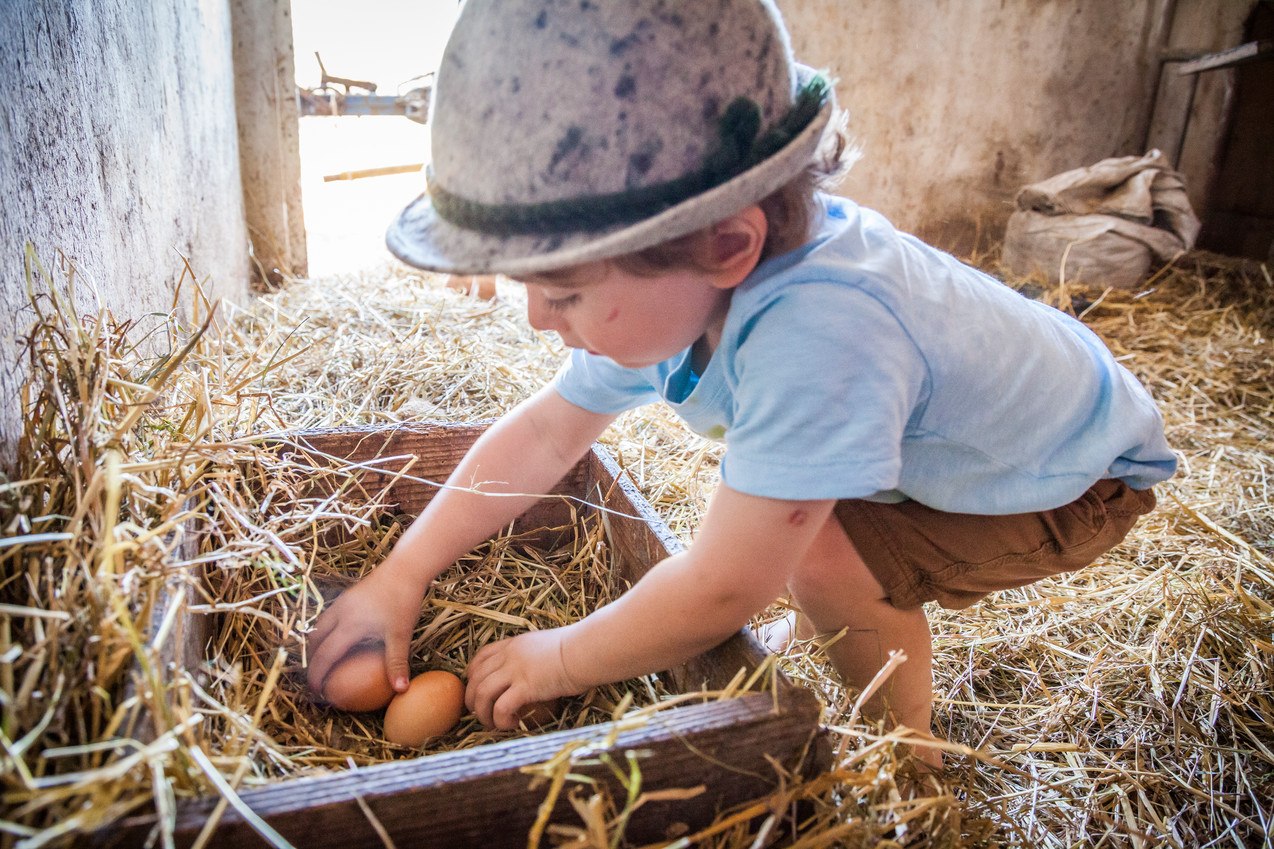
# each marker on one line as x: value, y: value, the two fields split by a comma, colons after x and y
x: 619, y: 45
x: 705, y: 78
x: 714, y: 29
x: 542, y: 19
x: 640, y: 31
x: 711, y: 108
x: 622, y: 116
x: 761, y: 63
x: 570, y: 40
x: 515, y: 85
x: 567, y: 143
x: 626, y: 87
x: 641, y: 161
x: 585, y: 5
x: 673, y: 20
x: 765, y: 48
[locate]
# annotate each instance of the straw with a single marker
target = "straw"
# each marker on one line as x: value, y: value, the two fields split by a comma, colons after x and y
x: 1128, y: 704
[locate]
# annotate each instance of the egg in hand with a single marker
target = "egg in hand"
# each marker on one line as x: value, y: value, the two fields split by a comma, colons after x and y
x: 359, y: 682
x: 431, y: 706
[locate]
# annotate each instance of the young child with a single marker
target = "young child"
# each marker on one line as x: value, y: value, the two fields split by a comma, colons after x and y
x: 899, y: 427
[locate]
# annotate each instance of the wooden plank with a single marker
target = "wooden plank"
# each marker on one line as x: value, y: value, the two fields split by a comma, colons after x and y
x: 1241, y: 55
x: 482, y: 797
x: 382, y: 171
x: 186, y: 636
x: 429, y: 452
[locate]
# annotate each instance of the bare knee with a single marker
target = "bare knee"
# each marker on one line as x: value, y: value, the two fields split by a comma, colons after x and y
x: 832, y: 576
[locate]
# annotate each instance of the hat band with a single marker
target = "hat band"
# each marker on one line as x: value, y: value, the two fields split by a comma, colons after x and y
x: 740, y: 146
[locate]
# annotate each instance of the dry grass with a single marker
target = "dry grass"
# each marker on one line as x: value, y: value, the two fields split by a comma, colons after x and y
x: 279, y: 551
x: 1130, y: 704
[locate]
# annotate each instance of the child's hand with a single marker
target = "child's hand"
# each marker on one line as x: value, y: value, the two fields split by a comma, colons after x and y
x: 378, y: 609
x: 508, y: 675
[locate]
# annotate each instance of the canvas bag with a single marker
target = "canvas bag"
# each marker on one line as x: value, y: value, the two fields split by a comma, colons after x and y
x: 1108, y: 222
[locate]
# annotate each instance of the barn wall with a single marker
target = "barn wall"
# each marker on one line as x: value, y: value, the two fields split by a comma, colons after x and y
x: 119, y: 151
x: 958, y: 103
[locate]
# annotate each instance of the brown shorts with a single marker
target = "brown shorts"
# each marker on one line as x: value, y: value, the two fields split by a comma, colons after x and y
x: 919, y: 554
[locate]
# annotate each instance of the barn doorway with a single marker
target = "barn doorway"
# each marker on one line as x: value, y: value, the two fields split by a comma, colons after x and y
x: 1240, y: 217
x: 358, y: 171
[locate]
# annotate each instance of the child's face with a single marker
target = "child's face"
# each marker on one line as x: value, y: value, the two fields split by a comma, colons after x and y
x: 634, y: 320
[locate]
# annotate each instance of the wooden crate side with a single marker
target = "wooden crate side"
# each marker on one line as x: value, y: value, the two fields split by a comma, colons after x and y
x: 482, y: 797
x: 633, y: 528
x: 427, y: 452
x: 178, y: 638
x: 642, y: 539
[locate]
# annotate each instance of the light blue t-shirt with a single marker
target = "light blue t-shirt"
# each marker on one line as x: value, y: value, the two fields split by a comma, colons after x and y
x: 867, y: 364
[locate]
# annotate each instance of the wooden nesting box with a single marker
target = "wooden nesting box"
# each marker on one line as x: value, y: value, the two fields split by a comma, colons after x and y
x: 482, y: 797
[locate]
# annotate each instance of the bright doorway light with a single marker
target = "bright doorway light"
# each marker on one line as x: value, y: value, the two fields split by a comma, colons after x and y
x: 391, y: 43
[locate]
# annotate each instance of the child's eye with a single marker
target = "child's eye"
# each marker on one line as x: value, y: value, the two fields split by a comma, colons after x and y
x: 559, y: 304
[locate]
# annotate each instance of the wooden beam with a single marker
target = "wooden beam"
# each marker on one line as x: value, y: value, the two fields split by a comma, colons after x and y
x: 269, y: 142
x: 1241, y: 55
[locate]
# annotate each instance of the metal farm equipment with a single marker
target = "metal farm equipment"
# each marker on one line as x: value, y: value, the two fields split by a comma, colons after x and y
x: 335, y: 96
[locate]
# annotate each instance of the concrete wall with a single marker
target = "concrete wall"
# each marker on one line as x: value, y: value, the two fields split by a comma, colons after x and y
x: 117, y: 149
x: 958, y: 103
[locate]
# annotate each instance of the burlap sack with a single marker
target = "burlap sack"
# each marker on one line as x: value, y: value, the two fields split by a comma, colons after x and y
x: 1106, y: 224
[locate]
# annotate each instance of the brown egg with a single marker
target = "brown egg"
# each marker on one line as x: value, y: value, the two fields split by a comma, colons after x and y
x: 538, y: 714
x: 359, y: 682
x: 432, y: 705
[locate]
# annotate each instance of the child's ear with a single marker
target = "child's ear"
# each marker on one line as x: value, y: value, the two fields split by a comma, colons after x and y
x: 735, y: 245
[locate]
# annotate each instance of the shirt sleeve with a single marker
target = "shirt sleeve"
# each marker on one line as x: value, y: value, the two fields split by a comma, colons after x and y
x: 600, y: 385
x: 827, y: 381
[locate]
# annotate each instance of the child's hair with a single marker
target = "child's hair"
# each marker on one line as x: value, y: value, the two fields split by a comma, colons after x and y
x: 789, y: 212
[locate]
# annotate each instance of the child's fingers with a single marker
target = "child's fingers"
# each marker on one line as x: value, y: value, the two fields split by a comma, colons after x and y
x: 328, y: 655
x: 484, y: 703
x: 326, y: 622
x: 487, y: 681
x: 476, y: 674
x: 396, y: 650
x: 316, y: 649
x: 504, y: 713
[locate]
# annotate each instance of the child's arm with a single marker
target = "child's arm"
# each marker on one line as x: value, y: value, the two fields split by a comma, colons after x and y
x: 740, y: 562
x: 529, y: 450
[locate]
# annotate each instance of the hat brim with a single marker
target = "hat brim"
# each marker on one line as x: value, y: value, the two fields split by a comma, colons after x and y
x: 420, y: 237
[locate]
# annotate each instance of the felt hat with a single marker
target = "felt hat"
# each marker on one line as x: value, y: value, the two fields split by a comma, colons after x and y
x: 566, y: 131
